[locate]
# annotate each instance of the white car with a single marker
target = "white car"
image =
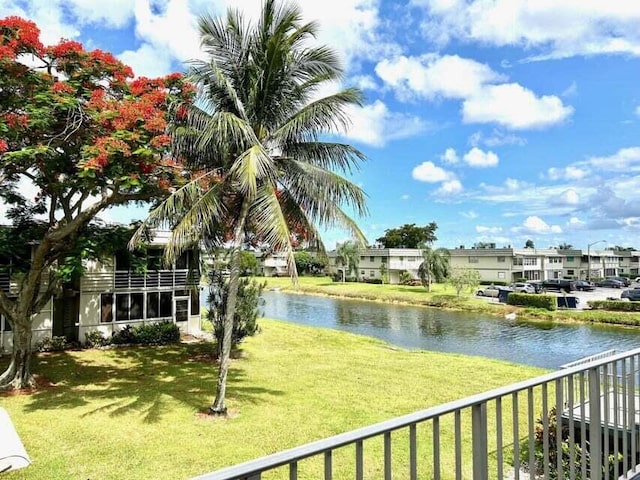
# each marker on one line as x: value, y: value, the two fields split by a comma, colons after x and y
x: 489, y: 291
x: 522, y: 287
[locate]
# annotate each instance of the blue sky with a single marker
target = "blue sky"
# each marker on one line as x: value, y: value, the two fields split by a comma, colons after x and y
x: 501, y: 120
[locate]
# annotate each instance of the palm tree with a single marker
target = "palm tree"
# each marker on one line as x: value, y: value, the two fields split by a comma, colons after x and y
x: 257, y: 135
x: 348, y: 255
x: 435, y: 266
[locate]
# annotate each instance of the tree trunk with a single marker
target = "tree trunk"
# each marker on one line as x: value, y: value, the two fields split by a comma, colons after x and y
x: 18, y: 373
x: 219, y: 406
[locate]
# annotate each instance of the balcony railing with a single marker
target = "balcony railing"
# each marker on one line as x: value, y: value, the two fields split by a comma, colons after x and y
x: 506, y: 433
x: 155, y: 279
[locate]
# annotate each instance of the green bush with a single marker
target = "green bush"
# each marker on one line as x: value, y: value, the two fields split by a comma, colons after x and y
x: 376, y: 281
x: 614, y: 305
x: 52, y: 344
x: 95, y: 339
x: 547, y: 302
x: 161, y: 333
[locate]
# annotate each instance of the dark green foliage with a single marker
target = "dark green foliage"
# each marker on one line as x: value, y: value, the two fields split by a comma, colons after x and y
x: 376, y: 281
x: 614, y: 305
x: 550, y: 431
x: 248, y: 263
x: 52, y: 344
x: 95, y: 339
x: 547, y: 302
x: 409, y: 236
x: 246, y: 312
x: 162, y: 333
x: 491, y: 282
x: 307, y: 264
x: 405, y: 278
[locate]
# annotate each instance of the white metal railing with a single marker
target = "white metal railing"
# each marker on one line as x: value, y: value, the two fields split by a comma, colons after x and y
x: 506, y: 433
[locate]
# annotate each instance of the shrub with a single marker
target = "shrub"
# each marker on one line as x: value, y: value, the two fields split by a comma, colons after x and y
x: 161, y: 333
x: 614, y: 305
x: 491, y: 282
x: 246, y: 313
x: 123, y: 336
x: 405, y: 278
x: 547, y: 302
x: 377, y: 281
x: 52, y: 344
x: 95, y: 339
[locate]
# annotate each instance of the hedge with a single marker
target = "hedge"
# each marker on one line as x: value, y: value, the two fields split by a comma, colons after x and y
x: 491, y: 282
x: 548, y: 302
x: 614, y: 305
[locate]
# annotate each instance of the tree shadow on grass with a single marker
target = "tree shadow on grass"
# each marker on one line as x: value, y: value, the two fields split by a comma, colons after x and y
x: 123, y: 381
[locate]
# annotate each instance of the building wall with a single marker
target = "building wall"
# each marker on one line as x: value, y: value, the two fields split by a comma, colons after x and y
x: 42, y: 325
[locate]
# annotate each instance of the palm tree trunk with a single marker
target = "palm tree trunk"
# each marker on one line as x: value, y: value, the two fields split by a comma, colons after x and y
x: 219, y: 406
x: 18, y: 373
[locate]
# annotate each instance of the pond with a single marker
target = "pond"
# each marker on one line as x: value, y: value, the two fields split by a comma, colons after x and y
x: 545, y: 345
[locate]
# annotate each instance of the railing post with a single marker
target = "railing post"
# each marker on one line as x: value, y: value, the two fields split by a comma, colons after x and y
x: 595, y: 428
x: 479, y: 441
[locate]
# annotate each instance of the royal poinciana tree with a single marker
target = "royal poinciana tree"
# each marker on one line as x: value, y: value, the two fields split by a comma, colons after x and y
x: 260, y: 133
x: 77, y: 129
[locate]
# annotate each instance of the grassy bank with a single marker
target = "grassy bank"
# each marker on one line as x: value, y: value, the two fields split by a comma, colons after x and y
x: 444, y: 296
x: 133, y: 412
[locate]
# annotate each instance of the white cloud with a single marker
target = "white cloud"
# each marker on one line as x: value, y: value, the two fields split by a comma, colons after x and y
x: 513, y: 184
x: 567, y: 173
x: 567, y: 198
x: 625, y: 159
x: 431, y: 76
x: 375, y: 125
x: 575, y: 223
x: 480, y: 159
x: 535, y: 225
x: 147, y: 61
x: 514, y: 107
x: 430, y: 173
x: 405, y: 197
x: 570, y: 91
x: 556, y: 29
x: 496, y: 138
x: 470, y: 214
x: 637, y: 111
x: 450, y: 156
x: 364, y: 82
x: 450, y: 187
x: 489, y: 230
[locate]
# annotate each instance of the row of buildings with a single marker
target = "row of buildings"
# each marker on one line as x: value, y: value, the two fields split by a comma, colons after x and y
x: 493, y: 264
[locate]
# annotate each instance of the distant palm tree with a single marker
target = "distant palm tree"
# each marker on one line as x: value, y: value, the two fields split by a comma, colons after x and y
x: 435, y: 266
x: 258, y: 136
x: 348, y: 255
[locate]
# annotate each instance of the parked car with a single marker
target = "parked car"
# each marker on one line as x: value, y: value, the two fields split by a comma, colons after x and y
x: 610, y: 283
x: 522, y: 287
x: 537, y: 284
x: 490, y: 291
x: 559, y: 285
x: 637, y: 280
x: 633, y: 295
x: 624, y: 280
x: 584, y: 286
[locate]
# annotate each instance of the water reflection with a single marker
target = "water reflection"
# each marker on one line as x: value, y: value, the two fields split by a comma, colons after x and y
x: 542, y: 344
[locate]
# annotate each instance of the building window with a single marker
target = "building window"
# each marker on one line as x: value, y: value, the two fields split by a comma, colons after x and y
x: 474, y: 259
x: 501, y: 259
x: 129, y: 306
x: 195, y: 301
x: 5, y: 324
x: 569, y: 259
x: 517, y: 261
x: 555, y: 260
x: 383, y: 259
x: 361, y: 272
x: 401, y: 259
x: 501, y: 275
x: 159, y: 304
x: 372, y: 259
x: 106, y: 308
x: 372, y: 273
x: 530, y: 261
x: 570, y: 272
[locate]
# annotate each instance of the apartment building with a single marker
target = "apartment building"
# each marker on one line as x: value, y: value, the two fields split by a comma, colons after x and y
x: 111, y: 294
x: 375, y: 261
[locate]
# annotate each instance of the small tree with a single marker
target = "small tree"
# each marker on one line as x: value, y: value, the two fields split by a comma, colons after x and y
x: 464, y: 279
x: 436, y: 266
x: 248, y: 263
x: 529, y: 244
x: 384, y: 273
x: 348, y: 256
x: 246, y: 312
x: 409, y: 236
x: 304, y: 261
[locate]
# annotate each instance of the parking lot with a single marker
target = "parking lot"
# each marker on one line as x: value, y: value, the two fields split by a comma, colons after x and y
x: 600, y: 293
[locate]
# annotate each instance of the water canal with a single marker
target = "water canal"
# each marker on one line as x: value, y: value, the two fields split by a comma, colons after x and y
x: 532, y: 343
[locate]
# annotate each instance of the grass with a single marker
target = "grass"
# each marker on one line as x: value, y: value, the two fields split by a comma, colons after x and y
x: 444, y: 296
x: 133, y: 412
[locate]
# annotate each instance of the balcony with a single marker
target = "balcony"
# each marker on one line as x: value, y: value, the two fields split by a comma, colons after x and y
x: 506, y: 433
x: 155, y: 279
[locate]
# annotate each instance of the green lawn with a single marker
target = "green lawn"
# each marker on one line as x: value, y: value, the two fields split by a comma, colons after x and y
x: 133, y: 412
